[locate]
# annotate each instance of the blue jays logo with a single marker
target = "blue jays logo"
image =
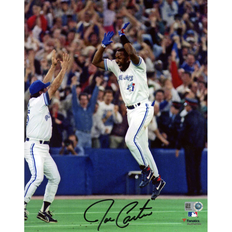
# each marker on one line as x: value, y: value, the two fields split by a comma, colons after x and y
x: 131, y: 87
x: 47, y: 117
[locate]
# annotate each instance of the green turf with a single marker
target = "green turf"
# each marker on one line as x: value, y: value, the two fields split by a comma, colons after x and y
x: 167, y: 215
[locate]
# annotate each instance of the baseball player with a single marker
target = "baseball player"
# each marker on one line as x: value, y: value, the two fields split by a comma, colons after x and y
x: 38, y: 133
x: 130, y: 71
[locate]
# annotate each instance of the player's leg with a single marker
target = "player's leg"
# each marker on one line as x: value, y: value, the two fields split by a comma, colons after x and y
x: 137, y: 135
x: 136, y: 121
x: 35, y: 163
x: 53, y: 176
x: 157, y: 181
x: 143, y: 140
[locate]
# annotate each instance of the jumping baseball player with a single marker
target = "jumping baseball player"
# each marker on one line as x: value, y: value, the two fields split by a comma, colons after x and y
x: 38, y: 133
x: 130, y: 71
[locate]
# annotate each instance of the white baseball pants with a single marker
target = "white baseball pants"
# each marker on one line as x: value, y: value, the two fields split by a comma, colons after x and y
x: 137, y: 135
x: 40, y: 163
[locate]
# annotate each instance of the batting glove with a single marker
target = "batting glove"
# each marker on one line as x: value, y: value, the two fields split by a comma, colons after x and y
x: 122, y: 32
x: 107, y: 39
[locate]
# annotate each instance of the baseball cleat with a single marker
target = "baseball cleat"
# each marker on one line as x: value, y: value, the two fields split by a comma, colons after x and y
x: 147, y: 176
x: 25, y: 214
x: 158, y: 186
x: 46, y: 217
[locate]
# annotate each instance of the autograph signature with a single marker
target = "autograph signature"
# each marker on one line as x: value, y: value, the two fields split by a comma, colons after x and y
x: 120, y: 221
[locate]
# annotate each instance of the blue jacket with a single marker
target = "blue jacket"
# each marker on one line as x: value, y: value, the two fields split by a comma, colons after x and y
x: 193, y: 131
x: 187, y: 68
x: 83, y: 118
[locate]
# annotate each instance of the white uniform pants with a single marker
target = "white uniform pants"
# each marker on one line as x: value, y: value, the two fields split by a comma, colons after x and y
x: 137, y: 135
x: 40, y: 163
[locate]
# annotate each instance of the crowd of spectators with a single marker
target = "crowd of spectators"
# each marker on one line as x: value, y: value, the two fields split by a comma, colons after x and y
x: 87, y: 110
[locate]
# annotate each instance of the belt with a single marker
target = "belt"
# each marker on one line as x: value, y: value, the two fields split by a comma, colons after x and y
x: 40, y: 141
x: 133, y: 106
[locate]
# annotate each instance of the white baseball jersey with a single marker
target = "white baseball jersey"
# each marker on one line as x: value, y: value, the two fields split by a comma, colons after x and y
x: 39, y: 123
x: 132, y: 82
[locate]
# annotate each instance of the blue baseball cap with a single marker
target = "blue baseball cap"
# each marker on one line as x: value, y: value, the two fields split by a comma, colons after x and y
x: 37, y: 86
x: 191, y: 101
x: 190, y: 32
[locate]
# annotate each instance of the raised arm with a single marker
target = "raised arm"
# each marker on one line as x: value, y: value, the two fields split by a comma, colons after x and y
x: 127, y: 45
x: 59, y: 78
x: 97, y: 59
x: 50, y: 73
x: 131, y: 52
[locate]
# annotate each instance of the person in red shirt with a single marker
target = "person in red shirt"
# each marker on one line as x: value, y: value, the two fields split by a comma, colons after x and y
x: 176, y: 79
x: 37, y: 19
